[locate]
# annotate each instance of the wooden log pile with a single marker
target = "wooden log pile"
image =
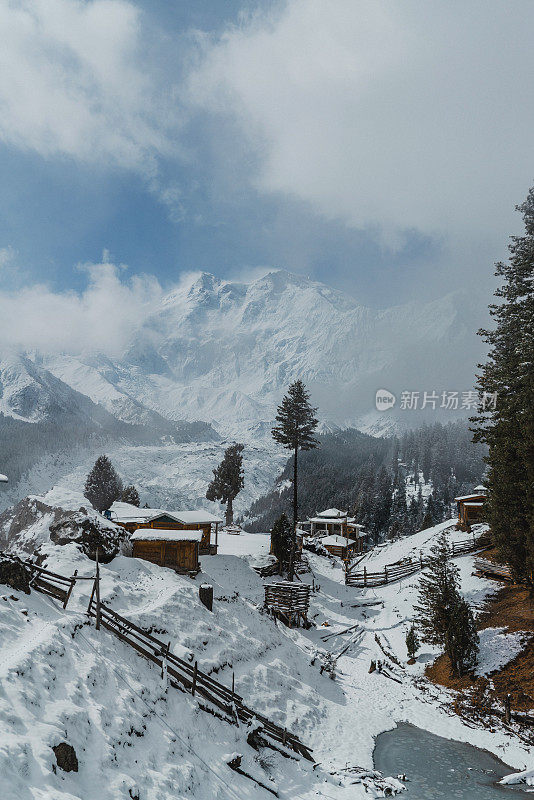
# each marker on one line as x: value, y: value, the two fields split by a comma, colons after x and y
x: 289, y: 601
x: 490, y: 570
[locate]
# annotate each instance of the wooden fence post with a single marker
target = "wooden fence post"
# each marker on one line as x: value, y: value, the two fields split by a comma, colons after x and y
x: 71, y: 587
x: 365, y: 576
x: 194, y: 686
x: 507, y: 710
x: 205, y: 594
x: 386, y: 574
x: 233, y: 687
x: 164, y: 654
x: 97, y: 581
x: 421, y: 559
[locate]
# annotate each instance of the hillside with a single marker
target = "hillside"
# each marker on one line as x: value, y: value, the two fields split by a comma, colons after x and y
x: 136, y: 737
x: 391, y: 484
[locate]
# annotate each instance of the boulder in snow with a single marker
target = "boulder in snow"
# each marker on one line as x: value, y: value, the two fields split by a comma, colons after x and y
x: 66, y: 757
x: 15, y: 574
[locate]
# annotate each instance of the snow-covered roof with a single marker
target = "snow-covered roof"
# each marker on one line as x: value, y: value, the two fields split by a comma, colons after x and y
x: 3, y: 478
x: 125, y: 512
x: 194, y: 517
x: 468, y: 497
x: 336, y: 540
x: 165, y: 535
x: 333, y: 520
x: 474, y: 505
x: 332, y: 512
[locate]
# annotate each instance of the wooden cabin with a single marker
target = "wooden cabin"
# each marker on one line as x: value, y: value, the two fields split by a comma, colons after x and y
x: 337, y: 545
x: 333, y: 522
x: 471, y: 508
x: 133, y: 518
x: 177, y: 549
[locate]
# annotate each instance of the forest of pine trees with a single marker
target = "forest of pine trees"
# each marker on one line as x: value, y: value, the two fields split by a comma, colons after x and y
x: 383, y: 482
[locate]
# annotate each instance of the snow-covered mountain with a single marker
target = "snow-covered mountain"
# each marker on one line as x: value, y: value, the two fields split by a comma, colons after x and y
x: 224, y: 352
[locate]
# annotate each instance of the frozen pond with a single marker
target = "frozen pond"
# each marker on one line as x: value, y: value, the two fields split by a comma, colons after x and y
x: 441, y: 769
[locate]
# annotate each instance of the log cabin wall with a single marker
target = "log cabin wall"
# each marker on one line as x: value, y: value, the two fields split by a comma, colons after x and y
x: 180, y: 556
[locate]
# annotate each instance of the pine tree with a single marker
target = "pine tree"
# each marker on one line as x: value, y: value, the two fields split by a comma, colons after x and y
x: 508, y: 428
x: 131, y: 495
x: 103, y: 486
x: 228, y: 480
x: 445, y: 619
x: 281, y: 541
x: 461, y: 643
x: 296, y: 424
x: 412, y: 642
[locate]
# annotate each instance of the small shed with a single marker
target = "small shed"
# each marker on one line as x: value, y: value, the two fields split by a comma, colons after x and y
x: 288, y: 601
x: 133, y: 518
x: 338, y: 546
x: 177, y: 549
x: 471, y: 508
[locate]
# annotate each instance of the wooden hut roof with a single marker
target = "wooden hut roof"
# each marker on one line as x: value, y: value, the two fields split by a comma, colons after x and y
x: 195, y: 517
x: 165, y: 535
x: 332, y: 512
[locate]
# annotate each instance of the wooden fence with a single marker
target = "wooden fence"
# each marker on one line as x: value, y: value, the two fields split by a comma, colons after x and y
x: 188, y: 677
x: 43, y: 580
x: 397, y: 571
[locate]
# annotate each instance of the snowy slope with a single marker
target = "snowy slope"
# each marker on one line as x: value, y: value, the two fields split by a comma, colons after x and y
x: 60, y: 680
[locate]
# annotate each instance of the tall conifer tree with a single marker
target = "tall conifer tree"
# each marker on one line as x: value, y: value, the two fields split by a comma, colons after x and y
x: 508, y: 428
x: 228, y: 480
x: 445, y: 618
x: 296, y: 424
x: 103, y: 486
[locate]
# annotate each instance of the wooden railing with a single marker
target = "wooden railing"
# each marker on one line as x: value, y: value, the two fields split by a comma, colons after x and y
x: 397, y: 571
x: 43, y: 580
x: 188, y: 677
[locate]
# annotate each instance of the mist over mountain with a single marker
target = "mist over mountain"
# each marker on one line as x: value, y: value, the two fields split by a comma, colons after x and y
x: 215, y: 357
x: 223, y: 352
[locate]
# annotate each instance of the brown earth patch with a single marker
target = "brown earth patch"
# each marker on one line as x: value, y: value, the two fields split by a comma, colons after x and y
x: 512, y: 608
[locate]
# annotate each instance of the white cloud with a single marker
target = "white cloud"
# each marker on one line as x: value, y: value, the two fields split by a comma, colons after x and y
x: 102, y: 318
x: 75, y: 80
x: 401, y: 115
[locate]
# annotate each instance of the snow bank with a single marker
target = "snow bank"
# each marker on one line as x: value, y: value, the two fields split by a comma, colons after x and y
x: 526, y: 777
x: 498, y: 648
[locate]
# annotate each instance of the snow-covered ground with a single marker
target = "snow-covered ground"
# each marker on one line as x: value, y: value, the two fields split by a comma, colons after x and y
x: 167, y: 476
x: 60, y: 680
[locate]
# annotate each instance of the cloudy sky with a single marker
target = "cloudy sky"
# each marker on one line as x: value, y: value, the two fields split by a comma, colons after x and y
x: 378, y: 146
